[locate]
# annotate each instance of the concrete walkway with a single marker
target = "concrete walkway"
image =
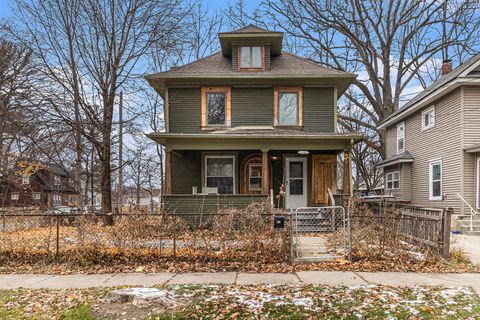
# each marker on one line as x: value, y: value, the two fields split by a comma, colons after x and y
x: 332, y: 278
x: 471, y: 245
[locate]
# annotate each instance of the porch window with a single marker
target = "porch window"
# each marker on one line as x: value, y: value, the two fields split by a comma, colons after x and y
x: 393, y: 180
x: 220, y: 173
x: 401, y: 137
x: 36, y: 196
x: 428, y: 118
x: 15, y: 196
x: 25, y: 179
x: 435, y: 180
x: 57, y: 180
x: 250, y: 57
x: 288, y: 107
x: 216, y: 107
x: 255, y: 176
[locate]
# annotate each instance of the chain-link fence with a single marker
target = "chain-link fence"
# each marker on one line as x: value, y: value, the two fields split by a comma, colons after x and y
x: 321, y: 232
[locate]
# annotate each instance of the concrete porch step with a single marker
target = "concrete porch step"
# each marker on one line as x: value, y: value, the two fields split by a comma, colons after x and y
x: 317, y: 258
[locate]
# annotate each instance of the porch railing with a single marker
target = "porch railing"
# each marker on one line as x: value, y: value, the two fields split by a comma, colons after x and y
x: 473, y: 212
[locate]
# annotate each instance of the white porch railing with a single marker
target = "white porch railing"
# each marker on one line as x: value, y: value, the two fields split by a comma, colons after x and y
x: 473, y: 212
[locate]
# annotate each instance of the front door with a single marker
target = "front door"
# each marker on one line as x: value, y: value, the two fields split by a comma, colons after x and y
x: 324, y: 177
x: 296, y: 182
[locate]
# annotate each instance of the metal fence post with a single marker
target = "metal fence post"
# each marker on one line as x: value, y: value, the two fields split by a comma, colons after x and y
x: 58, y: 236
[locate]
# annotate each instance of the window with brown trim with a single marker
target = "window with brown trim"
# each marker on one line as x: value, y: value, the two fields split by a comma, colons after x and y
x: 251, y: 58
x: 288, y: 107
x: 216, y: 107
x: 255, y: 176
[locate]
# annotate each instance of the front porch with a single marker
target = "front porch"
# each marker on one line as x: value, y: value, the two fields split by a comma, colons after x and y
x: 290, y: 171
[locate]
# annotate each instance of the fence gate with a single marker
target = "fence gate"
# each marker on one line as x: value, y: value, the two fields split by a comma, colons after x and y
x: 320, y: 234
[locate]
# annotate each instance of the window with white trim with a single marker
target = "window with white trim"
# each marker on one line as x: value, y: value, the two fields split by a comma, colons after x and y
x: 478, y: 182
x: 57, y: 199
x: 15, y: 196
x: 220, y: 173
x: 36, y: 196
x: 25, y: 179
x: 435, y: 180
x: 57, y: 180
x: 401, y: 137
x: 393, y: 180
x: 254, y: 176
x: 428, y: 118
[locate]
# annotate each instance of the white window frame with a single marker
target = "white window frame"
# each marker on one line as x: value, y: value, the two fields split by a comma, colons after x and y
x: 391, y: 174
x: 57, y: 199
x: 401, y: 125
x: 432, y: 118
x: 431, y: 164
x: 25, y: 179
x: 478, y: 182
x: 15, y: 196
x: 57, y: 180
x: 250, y: 165
x: 220, y: 157
x: 36, y: 196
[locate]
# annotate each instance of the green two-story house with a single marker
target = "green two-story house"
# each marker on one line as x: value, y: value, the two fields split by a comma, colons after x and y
x: 251, y: 122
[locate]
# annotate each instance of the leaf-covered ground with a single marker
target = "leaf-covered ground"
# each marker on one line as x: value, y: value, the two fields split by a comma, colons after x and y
x: 249, y: 302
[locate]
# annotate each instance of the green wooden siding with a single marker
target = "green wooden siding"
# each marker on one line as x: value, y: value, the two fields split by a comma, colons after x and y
x: 186, y: 171
x: 234, y: 58
x: 198, y: 204
x: 184, y: 109
x: 318, y: 109
x: 251, y: 106
x: 267, y: 58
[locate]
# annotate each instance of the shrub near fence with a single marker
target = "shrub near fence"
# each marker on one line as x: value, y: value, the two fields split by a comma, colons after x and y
x: 231, y: 236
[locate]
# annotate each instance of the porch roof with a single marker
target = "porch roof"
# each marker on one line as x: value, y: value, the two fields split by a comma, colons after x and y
x: 472, y: 148
x: 404, y: 157
x: 257, y: 140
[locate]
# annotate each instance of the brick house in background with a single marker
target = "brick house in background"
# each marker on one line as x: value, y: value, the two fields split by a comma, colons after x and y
x: 48, y: 187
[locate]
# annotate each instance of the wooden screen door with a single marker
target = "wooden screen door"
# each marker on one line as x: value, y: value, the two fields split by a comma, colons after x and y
x: 324, y: 176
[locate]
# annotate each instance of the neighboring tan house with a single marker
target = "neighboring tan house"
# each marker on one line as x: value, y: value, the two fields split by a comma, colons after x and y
x: 433, y: 143
x: 48, y: 187
x: 251, y: 121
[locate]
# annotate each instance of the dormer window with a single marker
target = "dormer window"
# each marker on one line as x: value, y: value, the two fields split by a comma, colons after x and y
x: 250, y: 58
x: 216, y: 107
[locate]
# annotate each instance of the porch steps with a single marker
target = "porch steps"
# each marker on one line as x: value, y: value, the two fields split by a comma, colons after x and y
x: 314, y: 249
x: 462, y: 223
x: 317, y: 258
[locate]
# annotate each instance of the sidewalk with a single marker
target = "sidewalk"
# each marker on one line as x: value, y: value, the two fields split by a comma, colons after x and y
x: 332, y: 278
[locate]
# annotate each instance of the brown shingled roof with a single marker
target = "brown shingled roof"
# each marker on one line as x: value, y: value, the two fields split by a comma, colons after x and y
x: 218, y: 65
x: 250, y: 29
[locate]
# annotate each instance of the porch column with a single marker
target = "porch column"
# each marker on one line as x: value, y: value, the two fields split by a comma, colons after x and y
x: 168, y: 171
x: 347, y: 173
x: 265, y: 173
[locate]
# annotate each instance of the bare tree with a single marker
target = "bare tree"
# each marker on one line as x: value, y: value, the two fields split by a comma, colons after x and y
x: 390, y: 43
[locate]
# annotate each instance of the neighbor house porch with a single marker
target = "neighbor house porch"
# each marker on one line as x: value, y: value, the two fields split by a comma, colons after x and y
x: 205, y: 171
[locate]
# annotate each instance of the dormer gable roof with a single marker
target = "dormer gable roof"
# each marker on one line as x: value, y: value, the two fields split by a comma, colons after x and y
x: 252, y: 34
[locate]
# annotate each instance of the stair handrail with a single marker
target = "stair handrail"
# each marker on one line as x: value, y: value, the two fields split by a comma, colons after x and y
x: 473, y: 212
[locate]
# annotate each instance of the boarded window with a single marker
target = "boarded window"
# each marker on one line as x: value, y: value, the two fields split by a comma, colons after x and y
x: 287, y: 109
x: 216, y: 107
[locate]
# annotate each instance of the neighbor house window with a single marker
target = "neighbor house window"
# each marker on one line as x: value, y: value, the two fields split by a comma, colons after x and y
x: 255, y: 176
x: 428, y: 118
x: 15, y: 196
x: 25, y: 179
x: 288, y: 109
x: 216, y: 107
x: 250, y: 57
x: 401, y: 137
x: 57, y: 199
x: 57, y: 180
x: 478, y: 182
x: 36, y: 196
x: 393, y: 180
x: 435, y: 180
x: 220, y: 173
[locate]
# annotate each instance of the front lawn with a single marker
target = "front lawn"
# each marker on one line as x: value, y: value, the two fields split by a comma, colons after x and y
x: 251, y: 302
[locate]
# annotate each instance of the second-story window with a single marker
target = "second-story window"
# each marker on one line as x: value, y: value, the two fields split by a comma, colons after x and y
x: 428, y: 118
x: 57, y: 180
x: 250, y: 57
x: 401, y: 137
x: 216, y: 107
x: 25, y: 179
x: 288, y: 107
